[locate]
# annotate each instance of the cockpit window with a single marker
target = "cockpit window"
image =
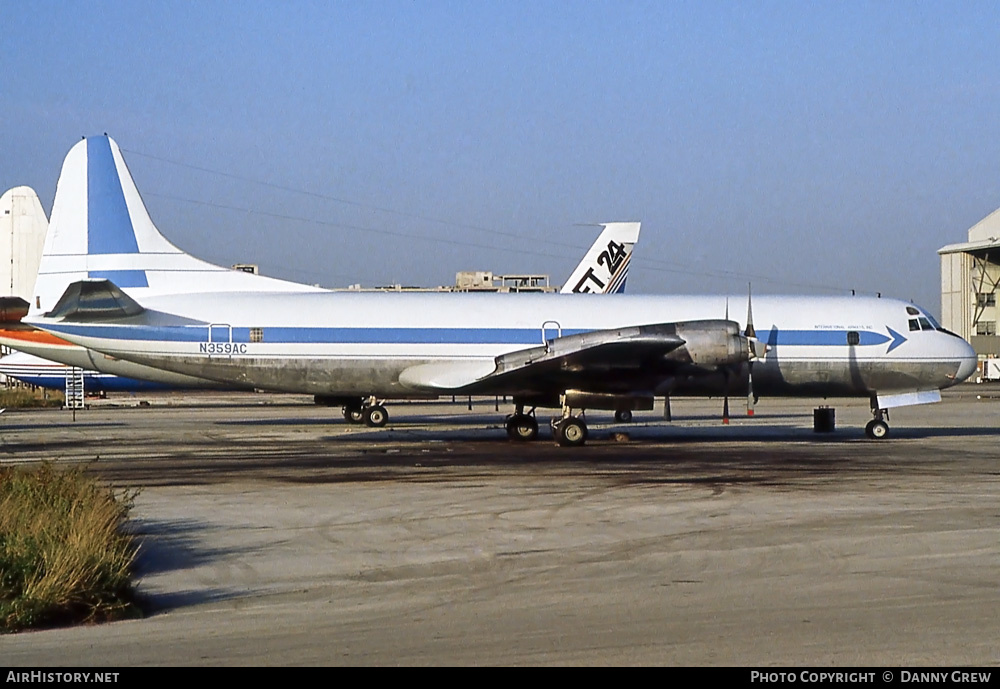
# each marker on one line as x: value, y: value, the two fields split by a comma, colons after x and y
x: 922, y: 321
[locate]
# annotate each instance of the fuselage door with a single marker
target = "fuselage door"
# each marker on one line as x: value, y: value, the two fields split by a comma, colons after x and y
x: 550, y: 331
x: 220, y: 332
x: 220, y: 340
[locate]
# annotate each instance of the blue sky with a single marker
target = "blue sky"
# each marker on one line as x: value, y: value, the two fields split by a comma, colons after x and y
x: 803, y: 146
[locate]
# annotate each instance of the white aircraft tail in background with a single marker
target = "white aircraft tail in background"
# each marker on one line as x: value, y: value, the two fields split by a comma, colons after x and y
x: 22, y: 228
x: 605, y: 267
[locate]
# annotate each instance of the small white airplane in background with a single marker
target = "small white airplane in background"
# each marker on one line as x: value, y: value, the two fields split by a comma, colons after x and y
x: 100, y: 228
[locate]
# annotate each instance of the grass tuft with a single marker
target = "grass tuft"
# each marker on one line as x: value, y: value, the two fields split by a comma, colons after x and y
x: 65, y: 556
x: 24, y: 398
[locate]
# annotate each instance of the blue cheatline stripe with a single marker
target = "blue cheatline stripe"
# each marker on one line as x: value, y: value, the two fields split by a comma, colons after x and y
x: 822, y: 338
x: 122, y: 278
x: 525, y: 336
x: 518, y: 336
x: 109, y: 227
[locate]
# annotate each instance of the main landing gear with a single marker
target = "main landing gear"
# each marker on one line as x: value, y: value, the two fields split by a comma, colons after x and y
x: 570, y: 431
x: 520, y: 426
x: 369, y: 412
x: 877, y: 428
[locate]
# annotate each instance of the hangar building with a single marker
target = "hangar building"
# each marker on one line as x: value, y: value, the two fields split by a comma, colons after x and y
x: 970, y: 277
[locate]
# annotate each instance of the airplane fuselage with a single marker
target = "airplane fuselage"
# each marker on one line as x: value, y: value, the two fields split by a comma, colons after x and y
x: 364, y: 344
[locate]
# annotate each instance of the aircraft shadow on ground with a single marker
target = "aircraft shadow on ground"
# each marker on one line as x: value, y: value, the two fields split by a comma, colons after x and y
x: 173, y: 545
x: 60, y: 426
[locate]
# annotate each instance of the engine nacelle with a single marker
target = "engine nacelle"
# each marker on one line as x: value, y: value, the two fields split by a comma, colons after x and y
x: 711, y: 344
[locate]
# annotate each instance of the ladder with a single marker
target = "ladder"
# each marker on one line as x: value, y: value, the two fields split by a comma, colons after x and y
x: 74, y: 388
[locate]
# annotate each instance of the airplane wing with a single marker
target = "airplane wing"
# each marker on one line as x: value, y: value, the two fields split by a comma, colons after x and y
x: 619, y: 361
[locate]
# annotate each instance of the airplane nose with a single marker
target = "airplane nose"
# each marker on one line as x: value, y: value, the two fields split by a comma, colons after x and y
x: 967, y: 362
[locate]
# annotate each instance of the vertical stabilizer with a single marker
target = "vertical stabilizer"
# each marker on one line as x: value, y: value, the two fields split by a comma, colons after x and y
x: 22, y: 234
x: 100, y: 229
x: 605, y: 267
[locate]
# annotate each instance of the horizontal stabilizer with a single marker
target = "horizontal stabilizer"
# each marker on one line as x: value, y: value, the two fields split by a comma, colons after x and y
x: 12, y: 309
x: 94, y: 300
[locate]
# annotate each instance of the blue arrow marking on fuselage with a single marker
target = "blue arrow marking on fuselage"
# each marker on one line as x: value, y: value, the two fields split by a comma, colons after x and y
x: 897, y: 339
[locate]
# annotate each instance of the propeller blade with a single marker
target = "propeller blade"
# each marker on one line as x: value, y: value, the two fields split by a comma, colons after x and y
x: 725, y: 397
x: 750, y: 333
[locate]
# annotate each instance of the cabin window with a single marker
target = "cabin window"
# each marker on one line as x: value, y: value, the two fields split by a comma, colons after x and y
x: 256, y: 334
x: 914, y: 324
x: 853, y: 337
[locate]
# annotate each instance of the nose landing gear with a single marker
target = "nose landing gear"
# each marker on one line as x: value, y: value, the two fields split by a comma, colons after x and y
x: 877, y: 428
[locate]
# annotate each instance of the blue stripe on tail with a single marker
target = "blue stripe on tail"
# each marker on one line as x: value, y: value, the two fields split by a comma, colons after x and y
x: 109, y: 227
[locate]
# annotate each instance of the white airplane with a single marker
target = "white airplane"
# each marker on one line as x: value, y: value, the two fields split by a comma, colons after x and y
x: 567, y: 351
x: 100, y: 227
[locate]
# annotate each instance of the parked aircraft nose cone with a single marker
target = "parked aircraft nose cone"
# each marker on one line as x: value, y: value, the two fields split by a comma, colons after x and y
x: 967, y: 362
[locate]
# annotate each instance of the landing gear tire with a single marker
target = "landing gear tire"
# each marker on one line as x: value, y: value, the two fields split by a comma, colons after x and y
x: 570, y: 432
x: 623, y: 416
x: 353, y: 415
x: 375, y: 416
x: 522, y: 427
x: 876, y: 430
